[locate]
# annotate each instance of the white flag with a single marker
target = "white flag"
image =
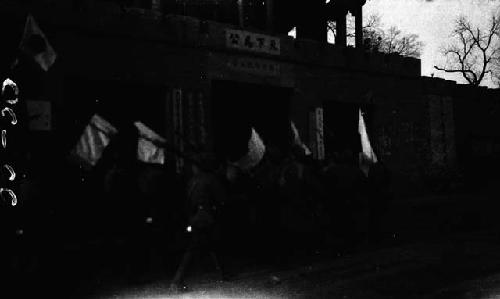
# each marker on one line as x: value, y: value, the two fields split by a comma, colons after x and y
x: 94, y: 139
x: 147, y: 150
x: 298, y: 141
x: 35, y: 44
x: 256, y: 151
x: 365, y: 141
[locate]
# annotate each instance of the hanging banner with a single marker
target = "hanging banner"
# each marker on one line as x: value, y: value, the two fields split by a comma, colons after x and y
x: 202, y: 119
x: 366, y: 147
x: 316, y: 133
x: 256, y: 151
x: 178, y: 127
x: 96, y: 136
x: 149, y: 147
x: 39, y: 115
x: 35, y: 44
x: 319, y: 134
x: 297, y: 140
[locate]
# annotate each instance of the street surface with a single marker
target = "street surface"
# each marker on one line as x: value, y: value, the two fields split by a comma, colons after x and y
x: 437, y: 247
x: 459, y: 266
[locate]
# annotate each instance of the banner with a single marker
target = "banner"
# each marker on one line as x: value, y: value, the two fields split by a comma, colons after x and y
x: 35, y: 44
x: 149, y: 148
x: 298, y: 141
x: 256, y: 151
x: 95, y: 138
x: 367, y: 149
x: 178, y: 127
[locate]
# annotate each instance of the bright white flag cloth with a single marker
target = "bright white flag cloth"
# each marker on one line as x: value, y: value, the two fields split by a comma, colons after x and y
x: 48, y: 56
x: 365, y: 141
x: 298, y: 141
x: 148, y: 149
x: 95, y: 138
x: 256, y: 151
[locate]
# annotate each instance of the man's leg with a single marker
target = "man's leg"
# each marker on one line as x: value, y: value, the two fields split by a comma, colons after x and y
x: 178, y: 281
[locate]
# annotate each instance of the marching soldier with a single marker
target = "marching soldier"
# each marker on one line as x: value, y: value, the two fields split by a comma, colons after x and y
x: 206, y: 195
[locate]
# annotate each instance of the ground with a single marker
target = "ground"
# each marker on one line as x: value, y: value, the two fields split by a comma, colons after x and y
x: 437, y: 247
x: 459, y: 266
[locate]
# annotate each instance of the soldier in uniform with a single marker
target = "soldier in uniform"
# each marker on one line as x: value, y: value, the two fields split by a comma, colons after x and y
x: 205, y: 196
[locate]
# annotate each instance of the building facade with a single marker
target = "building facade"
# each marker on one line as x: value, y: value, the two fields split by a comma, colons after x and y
x: 202, y: 73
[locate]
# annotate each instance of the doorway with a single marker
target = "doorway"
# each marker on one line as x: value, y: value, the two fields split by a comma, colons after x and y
x: 237, y: 107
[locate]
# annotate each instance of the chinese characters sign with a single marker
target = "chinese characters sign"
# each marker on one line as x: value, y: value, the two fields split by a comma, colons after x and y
x: 255, y: 66
x: 244, y: 40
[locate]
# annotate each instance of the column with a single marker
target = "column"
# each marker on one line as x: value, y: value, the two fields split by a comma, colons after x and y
x: 241, y: 14
x: 341, y: 30
x: 358, y: 14
x: 270, y: 15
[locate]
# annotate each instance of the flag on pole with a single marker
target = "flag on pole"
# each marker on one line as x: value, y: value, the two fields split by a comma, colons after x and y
x: 298, y: 141
x: 256, y: 151
x: 367, y: 149
x: 35, y: 44
x: 149, y: 148
x: 95, y: 138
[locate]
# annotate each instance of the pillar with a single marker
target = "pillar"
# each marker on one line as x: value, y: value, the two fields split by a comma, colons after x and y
x: 358, y: 14
x: 341, y: 29
x: 269, y: 15
x: 241, y: 14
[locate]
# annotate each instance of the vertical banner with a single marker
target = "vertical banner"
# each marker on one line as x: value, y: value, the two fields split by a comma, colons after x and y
x: 442, y: 131
x: 316, y: 133
x: 178, y: 127
x: 191, y: 118
x: 366, y: 146
x: 312, y: 134
x: 202, y: 119
x: 319, y: 134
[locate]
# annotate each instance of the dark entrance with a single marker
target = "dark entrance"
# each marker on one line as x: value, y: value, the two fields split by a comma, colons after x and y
x: 341, y: 122
x: 237, y: 107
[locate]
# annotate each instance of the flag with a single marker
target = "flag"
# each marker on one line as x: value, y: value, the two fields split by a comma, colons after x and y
x: 149, y: 147
x: 367, y: 149
x: 256, y: 151
x: 95, y: 138
x: 298, y: 141
x: 35, y: 44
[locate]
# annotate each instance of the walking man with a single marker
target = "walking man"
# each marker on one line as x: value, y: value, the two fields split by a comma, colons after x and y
x: 206, y: 196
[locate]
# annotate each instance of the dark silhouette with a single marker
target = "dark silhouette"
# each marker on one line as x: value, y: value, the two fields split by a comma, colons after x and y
x: 205, y: 195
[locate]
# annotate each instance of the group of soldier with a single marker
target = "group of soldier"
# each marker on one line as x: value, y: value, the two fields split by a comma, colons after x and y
x: 286, y: 207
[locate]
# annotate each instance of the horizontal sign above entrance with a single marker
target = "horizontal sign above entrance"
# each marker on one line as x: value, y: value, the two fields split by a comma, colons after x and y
x: 244, y: 40
x: 255, y: 66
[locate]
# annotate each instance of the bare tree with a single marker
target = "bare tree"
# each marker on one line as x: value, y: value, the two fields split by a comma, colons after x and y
x: 391, y: 40
x: 394, y: 41
x: 474, y: 51
x: 372, y: 24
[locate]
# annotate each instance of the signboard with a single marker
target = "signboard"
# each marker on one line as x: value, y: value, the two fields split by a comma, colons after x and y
x: 178, y: 127
x: 255, y: 66
x: 39, y: 114
x: 319, y: 134
x: 254, y: 42
x: 317, y: 138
